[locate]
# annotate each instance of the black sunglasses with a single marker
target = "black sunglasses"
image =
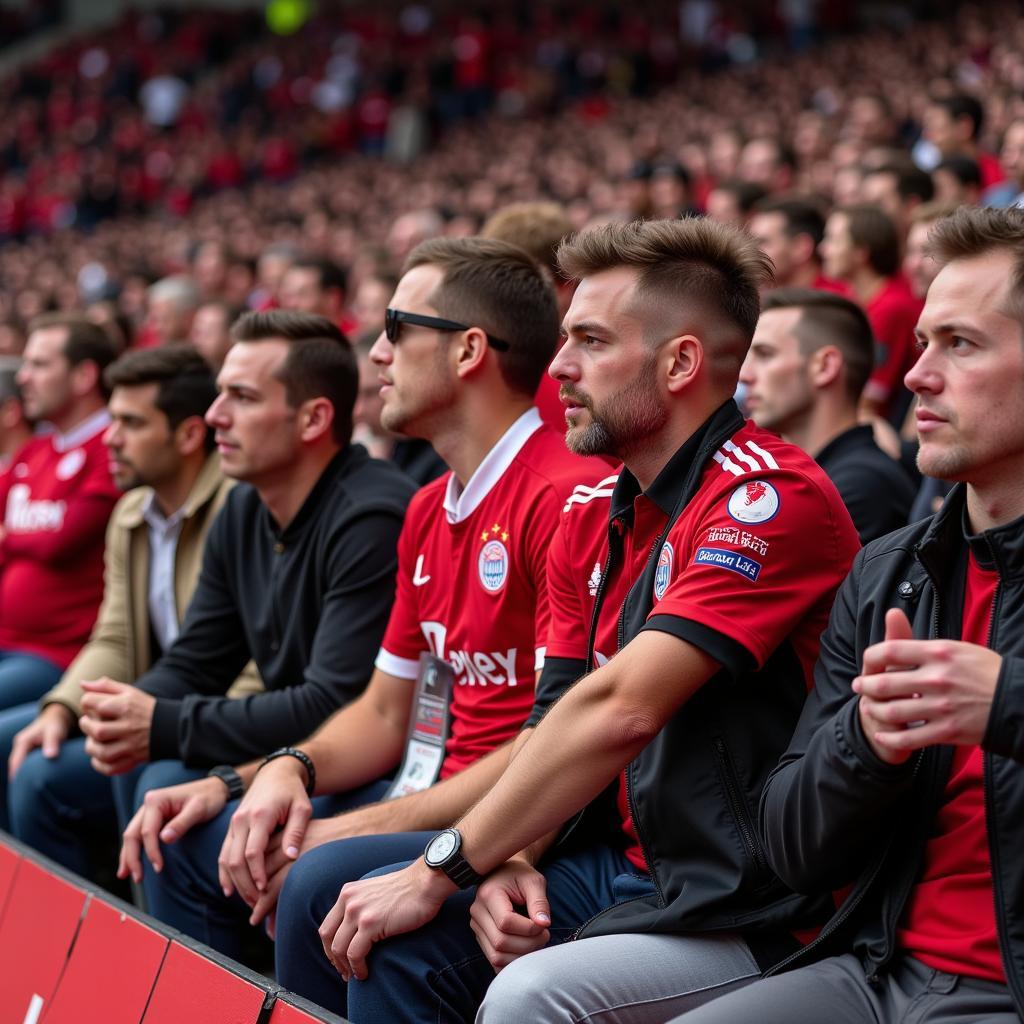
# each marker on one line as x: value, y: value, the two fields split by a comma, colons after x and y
x: 394, y: 317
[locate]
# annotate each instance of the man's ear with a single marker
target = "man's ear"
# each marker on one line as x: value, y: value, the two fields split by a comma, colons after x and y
x: 684, y: 356
x: 85, y: 378
x: 825, y: 365
x: 469, y: 351
x: 190, y: 435
x: 316, y: 418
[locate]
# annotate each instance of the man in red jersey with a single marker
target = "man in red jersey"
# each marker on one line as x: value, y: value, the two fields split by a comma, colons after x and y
x: 56, y: 498
x: 695, y: 587
x: 904, y: 782
x: 471, y: 325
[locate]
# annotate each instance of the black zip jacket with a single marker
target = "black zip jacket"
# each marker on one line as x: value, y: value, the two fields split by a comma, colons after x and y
x: 694, y: 788
x: 308, y: 604
x: 834, y: 814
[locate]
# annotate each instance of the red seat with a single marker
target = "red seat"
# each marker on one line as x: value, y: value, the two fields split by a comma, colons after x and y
x: 8, y: 865
x: 285, y: 1012
x: 193, y: 990
x: 36, y: 931
x: 111, y: 970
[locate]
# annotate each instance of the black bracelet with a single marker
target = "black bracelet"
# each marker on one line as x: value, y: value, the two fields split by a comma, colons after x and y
x: 230, y: 778
x: 299, y: 755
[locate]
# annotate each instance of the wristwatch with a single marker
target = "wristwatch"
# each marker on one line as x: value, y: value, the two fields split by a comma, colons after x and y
x: 444, y: 853
x: 230, y: 778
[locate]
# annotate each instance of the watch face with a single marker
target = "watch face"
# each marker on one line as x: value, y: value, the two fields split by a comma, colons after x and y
x: 441, y: 847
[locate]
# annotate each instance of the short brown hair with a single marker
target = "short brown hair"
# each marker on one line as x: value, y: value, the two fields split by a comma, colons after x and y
x: 320, y: 361
x: 976, y: 231
x: 873, y: 229
x: 829, y: 319
x: 689, y: 264
x: 499, y: 288
x: 85, y: 342
x: 929, y: 213
x: 536, y: 227
x: 185, y: 384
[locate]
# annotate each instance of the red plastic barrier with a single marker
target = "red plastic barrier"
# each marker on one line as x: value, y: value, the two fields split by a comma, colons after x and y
x: 193, y: 990
x: 8, y: 865
x: 36, y: 931
x: 111, y: 970
x: 286, y: 1013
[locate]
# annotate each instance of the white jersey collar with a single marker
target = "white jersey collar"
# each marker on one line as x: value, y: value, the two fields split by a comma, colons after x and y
x: 461, y: 502
x: 81, y: 432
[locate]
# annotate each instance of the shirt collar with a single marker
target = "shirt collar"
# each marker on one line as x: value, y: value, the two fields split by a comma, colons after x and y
x: 81, y: 432
x: 155, y: 517
x: 461, y: 502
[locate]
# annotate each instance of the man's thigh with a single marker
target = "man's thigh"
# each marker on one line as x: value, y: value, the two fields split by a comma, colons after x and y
x: 25, y: 678
x: 12, y: 721
x: 628, y: 979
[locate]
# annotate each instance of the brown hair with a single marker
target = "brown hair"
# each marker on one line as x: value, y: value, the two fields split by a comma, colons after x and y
x: 976, y: 231
x: 185, y: 382
x: 873, y: 229
x: 85, y: 341
x: 499, y: 288
x: 689, y: 264
x: 829, y: 319
x: 536, y: 227
x: 320, y: 362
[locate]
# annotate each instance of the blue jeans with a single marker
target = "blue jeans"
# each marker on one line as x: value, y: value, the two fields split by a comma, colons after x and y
x: 25, y: 678
x: 437, y: 973
x: 187, y: 893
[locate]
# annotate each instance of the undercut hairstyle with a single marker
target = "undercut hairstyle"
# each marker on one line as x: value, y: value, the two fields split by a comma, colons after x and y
x: 536, y: 227
x: 320, y: 361
x: 871, y: 228
x: 911, y: 181
x: 85, y: 342
x: 802, y: 216
x: 185, y: 384
x: 330, y: 274
x: 829, y: 319
x: 977, y: 231
x: 500, y: 288
x: 693, y: 274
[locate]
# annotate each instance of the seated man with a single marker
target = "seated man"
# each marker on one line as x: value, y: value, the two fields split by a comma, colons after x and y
x: 811, y: 356
x: 905, y: 778
x: 691, y: 592
x: 297, y: 574
x: 161, y: 452
x: 55, y: 499
x: 472, y: 590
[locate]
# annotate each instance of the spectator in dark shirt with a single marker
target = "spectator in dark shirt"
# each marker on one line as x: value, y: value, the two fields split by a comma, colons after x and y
x: 806, y: 369
x: 298, y: 570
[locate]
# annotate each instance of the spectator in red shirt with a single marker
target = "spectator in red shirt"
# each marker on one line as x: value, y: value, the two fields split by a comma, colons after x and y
x: 315, y: 285
x: 898, y: 188
x: 952, y: 125
x: 56, y: 498
x: 862, y: 248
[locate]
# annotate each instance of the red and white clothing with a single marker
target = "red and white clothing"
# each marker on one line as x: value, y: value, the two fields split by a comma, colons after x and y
x: 56, y: 500
x: 950, y: 920
x: 741, y: 570
x: 471, y: 585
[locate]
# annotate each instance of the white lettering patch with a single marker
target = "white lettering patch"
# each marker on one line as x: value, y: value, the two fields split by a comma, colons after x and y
x: 25, y: 515
x: 732, y: 535
x: 472, y: 668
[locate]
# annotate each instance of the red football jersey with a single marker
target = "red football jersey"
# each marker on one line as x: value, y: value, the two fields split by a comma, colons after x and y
x: 57, y: 498
x: 471, y: 586
x: 755, y: 558
x: 893, y: 314
x: 950, y: 920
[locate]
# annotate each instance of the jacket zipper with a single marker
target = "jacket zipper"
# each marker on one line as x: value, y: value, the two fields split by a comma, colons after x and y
x: 738, y: 805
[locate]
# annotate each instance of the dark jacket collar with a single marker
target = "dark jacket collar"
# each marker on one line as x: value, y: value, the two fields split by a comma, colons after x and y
x: 678, y: 479
x: 860, y: 436
x: 347, y: 459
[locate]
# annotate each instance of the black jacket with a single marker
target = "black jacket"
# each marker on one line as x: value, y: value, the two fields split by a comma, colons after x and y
x: 308, y: 604
x: 703, y: 848
x: 875, y: 489
x: 833, y: 814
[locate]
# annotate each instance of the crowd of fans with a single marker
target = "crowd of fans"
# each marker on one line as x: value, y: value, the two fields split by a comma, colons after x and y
x: 246, y: 310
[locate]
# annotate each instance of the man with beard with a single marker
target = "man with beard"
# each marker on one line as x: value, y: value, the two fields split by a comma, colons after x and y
x: 694, y: 589
x: 471, y: 325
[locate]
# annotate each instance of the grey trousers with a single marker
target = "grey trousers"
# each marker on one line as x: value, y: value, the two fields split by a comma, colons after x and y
x: 618, y: 979
x: 835, y: 991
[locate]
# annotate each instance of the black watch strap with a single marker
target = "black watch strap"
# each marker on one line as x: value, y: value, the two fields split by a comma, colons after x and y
x: 299, y: 755
x: 230, y: 778
x: 461, y: 873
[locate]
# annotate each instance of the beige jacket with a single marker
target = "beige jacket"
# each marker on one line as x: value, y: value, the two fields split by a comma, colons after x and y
x: 119, y: 646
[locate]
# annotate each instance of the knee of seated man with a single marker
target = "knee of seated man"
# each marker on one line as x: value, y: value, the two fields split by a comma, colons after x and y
x: 29, y: 792
x: 517, y: 992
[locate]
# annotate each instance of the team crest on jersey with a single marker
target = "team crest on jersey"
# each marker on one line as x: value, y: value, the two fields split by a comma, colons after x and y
x: 754, y: 502
x: 663, y: 574
x: 493, y: 566
x: 595, y: 579
x: 70, y: 464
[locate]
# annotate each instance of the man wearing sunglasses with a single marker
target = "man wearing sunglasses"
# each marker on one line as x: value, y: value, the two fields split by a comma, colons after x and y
x: 470, y: 329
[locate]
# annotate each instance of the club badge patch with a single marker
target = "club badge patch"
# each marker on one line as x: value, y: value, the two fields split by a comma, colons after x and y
x: 493, y: 566
x: 754, y: 502
x: 663, y: 574
x: 70, y: 464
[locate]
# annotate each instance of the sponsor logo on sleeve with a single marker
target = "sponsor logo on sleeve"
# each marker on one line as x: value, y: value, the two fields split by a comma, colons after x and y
x: 731, y: 560
x: 754, y: 502
x: 663, y: 574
